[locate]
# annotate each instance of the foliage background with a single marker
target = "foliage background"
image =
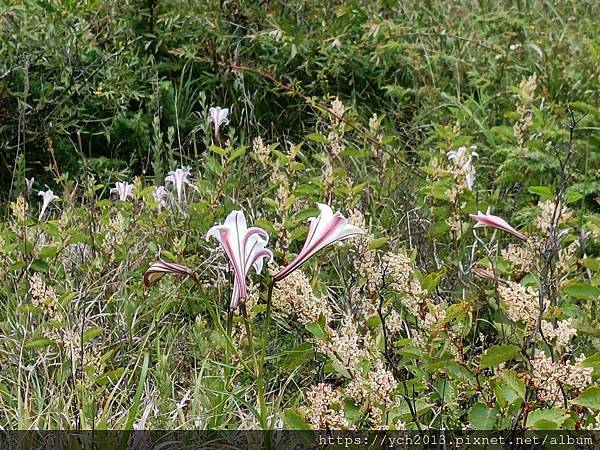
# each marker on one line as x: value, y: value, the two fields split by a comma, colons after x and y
x: 118, y: 89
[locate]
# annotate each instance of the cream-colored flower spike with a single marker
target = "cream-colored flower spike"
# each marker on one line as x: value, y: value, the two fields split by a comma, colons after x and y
x: 324, y: 230
x: 245, y: 248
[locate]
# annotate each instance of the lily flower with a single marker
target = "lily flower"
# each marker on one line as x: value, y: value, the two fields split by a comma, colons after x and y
x: 123, y: 189
x: 160, y: 195
x: 160, y: 268
x: 218, y: 116
x: 29, y: 184
x: 488, y: 275
x: 47, y: 198
x: 324, y: 230
x: 179, y: 178
x: 489, y: 220
x: 245, y: 248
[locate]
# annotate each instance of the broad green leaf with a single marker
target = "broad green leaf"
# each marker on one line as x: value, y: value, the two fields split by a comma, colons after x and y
x: 498, y: 354
x: 544, y: 419
x: 544, y: 192
x: 294, y: 421
x: 582, y: 291
x: 592, y: 361
x: 483, y: 417
x: 590, y: 398
x: 40, y: 266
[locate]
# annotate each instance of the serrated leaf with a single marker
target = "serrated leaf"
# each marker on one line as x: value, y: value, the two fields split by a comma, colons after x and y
x: 496, y: 355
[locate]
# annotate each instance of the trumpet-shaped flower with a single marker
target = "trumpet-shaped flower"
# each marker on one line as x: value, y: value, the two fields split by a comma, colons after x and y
x: 218, y: 117
x: 245, y: 248
x: 123, y: 189
x: 160, y: 268
x: 47, y: 198
x: 179, y: 178
x: 323, y: 230
x: 489, y: 220
x: 29, y: 184
x: 160, y: 195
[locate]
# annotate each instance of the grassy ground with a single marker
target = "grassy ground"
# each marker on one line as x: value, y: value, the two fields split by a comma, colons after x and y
x: 406, y: 118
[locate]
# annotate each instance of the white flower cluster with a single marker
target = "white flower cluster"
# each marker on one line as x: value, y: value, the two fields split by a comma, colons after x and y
x: 521, y: 303
x: 295, y: 294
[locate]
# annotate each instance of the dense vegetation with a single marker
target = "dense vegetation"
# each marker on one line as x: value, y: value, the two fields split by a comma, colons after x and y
x: 408, y: 118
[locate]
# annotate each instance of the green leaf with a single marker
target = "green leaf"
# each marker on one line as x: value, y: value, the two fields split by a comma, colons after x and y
x: 544, y: 192
x: 378, y: 243
x: 297, y: 356
x: 572, y: 197
x: 316, y: 330
x: 591, y: 263
x: 498, y: 354
x: 592, y: 361
x: 546, y: 419
x: 218, y: 150
x: 483, y: 417
x: 318, y: 138
x: 91, y: 333
x: 294, y: 421
x: 582, y: 291
x: 40, y: 266
x: 590, y: 398
x: 39, y: 342
x: 514, y: 383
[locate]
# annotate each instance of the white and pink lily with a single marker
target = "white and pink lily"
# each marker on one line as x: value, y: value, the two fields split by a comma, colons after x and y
x: 218, y: 117
x: 324, y: 230
x: 47, y: 198
x: 160, y: 268
x: 123, y: 189
x: 489, y: 220
x: 245, y: 248
x: 179, y: 178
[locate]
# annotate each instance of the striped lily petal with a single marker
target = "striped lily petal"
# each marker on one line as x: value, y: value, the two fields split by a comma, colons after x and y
x: 489, y: 220
x: 160, y: 268
x: 324, y: 230
x: 486, y: 274
x: 245, y: 248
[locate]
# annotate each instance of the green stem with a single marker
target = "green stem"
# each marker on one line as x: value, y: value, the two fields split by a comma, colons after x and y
x: 263, y: 355
x: 260, y: 383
